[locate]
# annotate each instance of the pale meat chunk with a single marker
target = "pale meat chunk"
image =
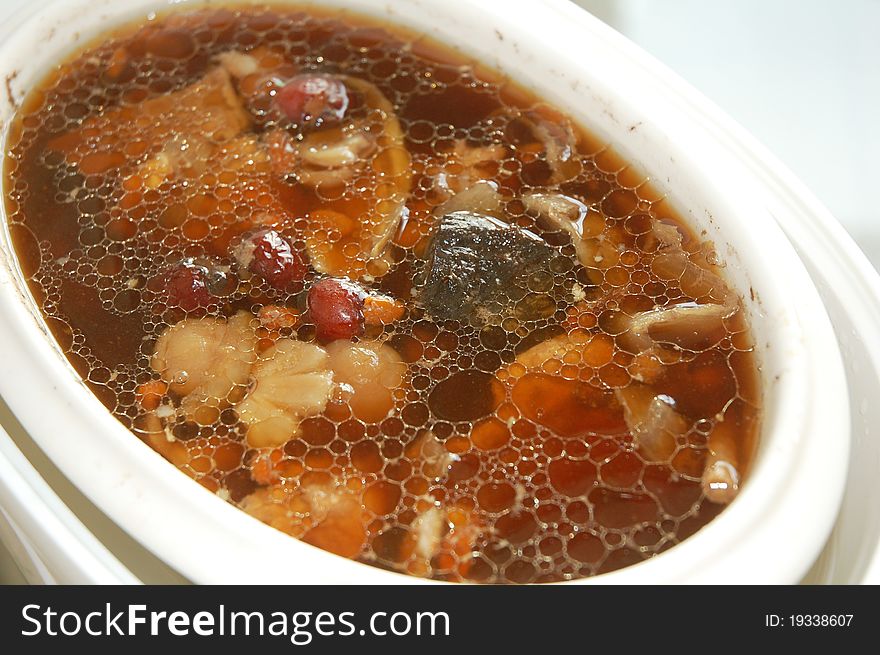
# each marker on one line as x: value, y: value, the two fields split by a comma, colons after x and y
x: 291, y: 381
x: 369, y: 371
x: 204, y: 360
x: 173, y: 127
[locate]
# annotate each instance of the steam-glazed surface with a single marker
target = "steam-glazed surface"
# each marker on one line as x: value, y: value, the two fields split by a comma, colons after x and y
x: 380, y: 298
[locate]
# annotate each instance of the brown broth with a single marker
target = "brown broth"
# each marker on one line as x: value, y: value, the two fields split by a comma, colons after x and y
x: 539, y: 477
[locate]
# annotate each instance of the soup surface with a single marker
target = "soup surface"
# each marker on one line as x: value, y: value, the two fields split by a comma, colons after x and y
x: 381, y: 298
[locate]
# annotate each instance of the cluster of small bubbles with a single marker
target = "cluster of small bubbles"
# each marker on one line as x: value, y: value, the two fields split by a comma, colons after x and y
x: 529, y: 496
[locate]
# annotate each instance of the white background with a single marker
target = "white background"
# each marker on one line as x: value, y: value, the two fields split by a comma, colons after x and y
x: 803, y: 76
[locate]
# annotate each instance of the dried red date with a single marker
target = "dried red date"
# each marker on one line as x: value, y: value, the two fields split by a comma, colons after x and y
x: 187, y: 287
x: 337, y: 309
x: 270, y: 255
x: 313, y: 99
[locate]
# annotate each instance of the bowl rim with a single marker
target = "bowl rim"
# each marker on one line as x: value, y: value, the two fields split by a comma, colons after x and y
x: 115, y: 490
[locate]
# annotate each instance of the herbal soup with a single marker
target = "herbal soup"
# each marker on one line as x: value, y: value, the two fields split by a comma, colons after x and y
x: 381, y: 298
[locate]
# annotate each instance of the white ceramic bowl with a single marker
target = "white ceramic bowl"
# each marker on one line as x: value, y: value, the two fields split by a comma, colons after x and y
x: 774, y: 529
x: 47, y: 540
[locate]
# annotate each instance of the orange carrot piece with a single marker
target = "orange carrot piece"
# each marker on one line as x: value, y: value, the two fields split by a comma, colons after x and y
x: 118, y: 63
x: 150, y: 394
x: 334, y: 219
x: 382, y: 310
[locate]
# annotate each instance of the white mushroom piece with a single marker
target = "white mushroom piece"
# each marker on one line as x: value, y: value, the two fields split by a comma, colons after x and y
x: 566, y: 214
x: 465, y: 167
x: 333, y: 156
x: 560, y: 144
x: 597, y: 249
x: 480, y: 198
x: 597, y: 245
x: 693, y: 326
x: 209, y: 362
x: 721, y: 477
x: 689, y: 325
x: 652, y: 420
x: 204, y: 360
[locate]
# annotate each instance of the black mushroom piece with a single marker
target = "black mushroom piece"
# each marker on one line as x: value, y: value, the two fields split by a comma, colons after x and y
x: 479, y: 267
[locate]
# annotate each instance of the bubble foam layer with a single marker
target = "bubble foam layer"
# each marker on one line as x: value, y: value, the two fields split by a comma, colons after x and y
x: 258, y: 288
